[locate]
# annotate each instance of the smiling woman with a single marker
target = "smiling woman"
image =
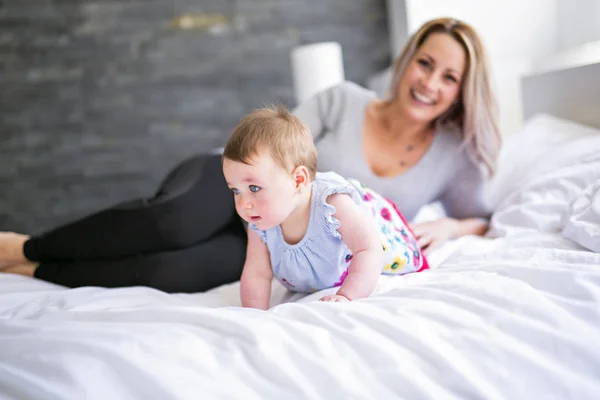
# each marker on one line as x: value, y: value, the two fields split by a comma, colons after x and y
x: 431, y: 140
x: 429, y: 87
x: 442, y: 78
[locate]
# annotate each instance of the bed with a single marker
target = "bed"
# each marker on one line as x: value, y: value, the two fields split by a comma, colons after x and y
x: 514, y: 315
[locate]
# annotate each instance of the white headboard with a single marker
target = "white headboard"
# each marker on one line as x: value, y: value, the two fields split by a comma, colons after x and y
x: 567, y: 87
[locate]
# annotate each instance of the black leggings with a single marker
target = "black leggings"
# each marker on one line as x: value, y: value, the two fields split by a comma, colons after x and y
x: 187, y: 238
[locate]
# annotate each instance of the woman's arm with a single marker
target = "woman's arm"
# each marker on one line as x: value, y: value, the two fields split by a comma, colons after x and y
x: 433, y: 234
x: 464, y: 196
x: 470, y: 226
x: 257, y: 275
x: 466, y: 208
x: 360, y: 234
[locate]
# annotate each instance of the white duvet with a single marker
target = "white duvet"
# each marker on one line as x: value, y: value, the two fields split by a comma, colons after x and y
x: 520, y: 322
x: 512, y: 317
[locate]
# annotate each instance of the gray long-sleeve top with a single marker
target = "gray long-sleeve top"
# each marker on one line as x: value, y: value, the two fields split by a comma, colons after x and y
x: 445, y: 173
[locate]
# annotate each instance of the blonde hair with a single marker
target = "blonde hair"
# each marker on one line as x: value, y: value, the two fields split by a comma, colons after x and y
x: 475, y: 113
x: 277, y: 131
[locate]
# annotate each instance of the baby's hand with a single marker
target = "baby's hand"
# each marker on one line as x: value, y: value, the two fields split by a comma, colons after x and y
x: 338, y: 298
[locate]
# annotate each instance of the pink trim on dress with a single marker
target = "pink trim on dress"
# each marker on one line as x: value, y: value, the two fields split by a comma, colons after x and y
x: 342, y: 279
x: 425, y: 263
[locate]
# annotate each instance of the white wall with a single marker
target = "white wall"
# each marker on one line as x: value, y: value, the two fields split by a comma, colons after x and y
x: 578, y: 22
x: 520, y: 36
x: 513, y: 31
x: 510, y: 28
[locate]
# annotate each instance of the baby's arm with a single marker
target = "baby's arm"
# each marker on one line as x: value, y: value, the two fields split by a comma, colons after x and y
x: 257, y: 274
x: 360, y: 234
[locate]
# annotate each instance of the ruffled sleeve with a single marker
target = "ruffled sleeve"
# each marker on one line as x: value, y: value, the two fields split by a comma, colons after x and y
x: 331, y: 183
x: 262, y: 234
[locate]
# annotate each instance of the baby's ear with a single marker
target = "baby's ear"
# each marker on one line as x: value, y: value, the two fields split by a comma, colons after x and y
x: 301, y: 177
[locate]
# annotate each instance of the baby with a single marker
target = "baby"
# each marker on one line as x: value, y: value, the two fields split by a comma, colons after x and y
x: 310, y: 230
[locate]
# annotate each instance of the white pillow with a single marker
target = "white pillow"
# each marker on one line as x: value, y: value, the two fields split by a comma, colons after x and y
x: 583, y: 222
x: 544, y: 144
x: 543, y: 205
x: 542, y: 170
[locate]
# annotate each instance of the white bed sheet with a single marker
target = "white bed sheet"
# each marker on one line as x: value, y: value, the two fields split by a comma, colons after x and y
x: 508, y: 318
x: 512, y: 317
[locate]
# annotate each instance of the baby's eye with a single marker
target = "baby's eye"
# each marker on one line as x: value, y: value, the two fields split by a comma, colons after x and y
x: 254, y: 188
x: 235, y: 191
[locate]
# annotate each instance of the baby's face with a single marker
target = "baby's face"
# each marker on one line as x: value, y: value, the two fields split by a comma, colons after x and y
x: 264, y: 192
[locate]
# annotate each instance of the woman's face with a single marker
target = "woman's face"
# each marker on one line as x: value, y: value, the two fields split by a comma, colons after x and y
x: 433, y: 78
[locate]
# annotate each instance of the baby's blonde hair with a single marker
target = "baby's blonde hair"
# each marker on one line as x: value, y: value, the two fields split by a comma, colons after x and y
x: 277, y: 131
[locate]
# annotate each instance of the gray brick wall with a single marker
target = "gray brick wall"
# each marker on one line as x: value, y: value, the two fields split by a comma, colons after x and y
x: 100, y: 98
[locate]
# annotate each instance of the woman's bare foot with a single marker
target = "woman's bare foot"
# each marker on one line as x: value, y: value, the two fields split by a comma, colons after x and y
x: 27, y: 269
x: 11, y: 248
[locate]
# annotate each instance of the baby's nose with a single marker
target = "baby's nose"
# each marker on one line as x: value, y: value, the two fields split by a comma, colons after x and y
x: 246, y: 203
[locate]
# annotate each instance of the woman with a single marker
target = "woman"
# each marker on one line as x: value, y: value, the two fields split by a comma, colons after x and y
x: 433, y: 139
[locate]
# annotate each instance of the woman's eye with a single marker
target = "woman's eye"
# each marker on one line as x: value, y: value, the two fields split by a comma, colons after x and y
x: 423, y: 62
x: 235, y: 191
x: 451, y: 78
x: 254, y: 188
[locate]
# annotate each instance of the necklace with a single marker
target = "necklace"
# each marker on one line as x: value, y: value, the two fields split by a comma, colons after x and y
x: 409, y: 148
x: 382, y: 125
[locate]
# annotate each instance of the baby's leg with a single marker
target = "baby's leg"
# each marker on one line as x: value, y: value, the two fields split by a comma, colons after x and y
x: 401, y: 251
x: 402, y: 254
x: 403, y: 242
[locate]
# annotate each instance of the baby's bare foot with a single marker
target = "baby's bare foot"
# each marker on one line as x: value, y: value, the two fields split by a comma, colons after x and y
x: 11, y: 248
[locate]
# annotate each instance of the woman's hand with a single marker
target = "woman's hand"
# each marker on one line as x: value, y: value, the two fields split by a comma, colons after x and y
x: 435, y: 233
